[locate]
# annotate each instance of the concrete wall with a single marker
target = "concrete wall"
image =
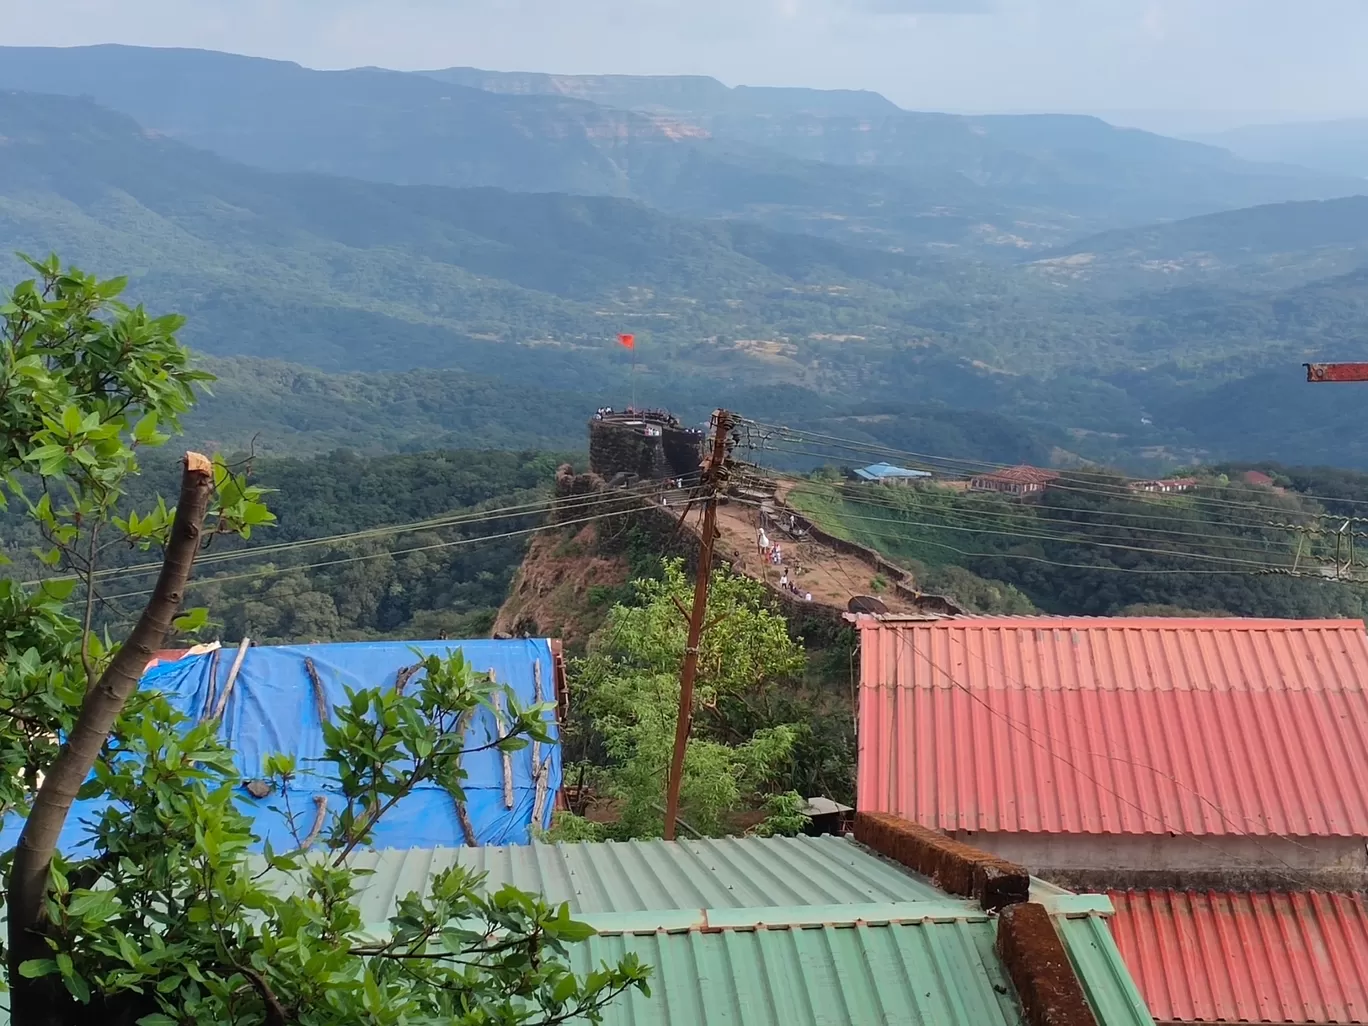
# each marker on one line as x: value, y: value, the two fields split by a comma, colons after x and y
x: 1162, y: 860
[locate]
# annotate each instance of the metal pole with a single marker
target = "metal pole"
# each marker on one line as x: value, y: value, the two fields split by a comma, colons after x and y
x: 712, y: 469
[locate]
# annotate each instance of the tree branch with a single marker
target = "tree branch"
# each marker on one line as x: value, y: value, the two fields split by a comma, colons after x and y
x: 100, y: 709
x: 89, y: 606
x: 275, y: 1011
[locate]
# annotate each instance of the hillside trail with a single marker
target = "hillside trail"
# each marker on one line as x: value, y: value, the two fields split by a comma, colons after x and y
x: 833, y: 578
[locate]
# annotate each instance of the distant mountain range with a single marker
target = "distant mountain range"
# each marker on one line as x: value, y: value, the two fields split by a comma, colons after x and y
x: 847, y: 165
x: 677, y: 94
x: 1339, y: 146
x: 985, y: 287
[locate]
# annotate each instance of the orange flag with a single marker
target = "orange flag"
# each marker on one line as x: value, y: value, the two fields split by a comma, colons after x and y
x: 628, y: 340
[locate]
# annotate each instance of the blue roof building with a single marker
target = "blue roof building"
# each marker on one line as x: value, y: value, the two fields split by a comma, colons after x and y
x: 886, y: 473
x: 276, y: 704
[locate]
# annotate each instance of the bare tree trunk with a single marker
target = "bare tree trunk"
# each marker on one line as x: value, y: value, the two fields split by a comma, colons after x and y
x: 30, y: 1000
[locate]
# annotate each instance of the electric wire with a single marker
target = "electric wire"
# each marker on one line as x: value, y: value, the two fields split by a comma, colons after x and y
x: 1065, y: 482
x: 1146, y: 498
x: 971, y: 466
x: 1252, y: 544
x: 1274, y: 555
x: 465, y: 519
x: 1046, y: 537
x: 1029, y: 513
x: 273, y: 570
x: 1105, y: 567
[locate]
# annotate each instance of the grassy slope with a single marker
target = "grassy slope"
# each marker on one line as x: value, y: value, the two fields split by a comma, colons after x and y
x: 1083, y: 551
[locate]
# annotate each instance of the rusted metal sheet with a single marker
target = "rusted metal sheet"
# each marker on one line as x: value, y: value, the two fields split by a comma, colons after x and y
x: 1117, y: 725
x: 1277, y: 957
x: 1337, y: 371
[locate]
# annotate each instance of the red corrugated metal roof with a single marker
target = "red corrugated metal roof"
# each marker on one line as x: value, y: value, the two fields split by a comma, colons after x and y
x: 1117, y: 725
x: 1281, y: 957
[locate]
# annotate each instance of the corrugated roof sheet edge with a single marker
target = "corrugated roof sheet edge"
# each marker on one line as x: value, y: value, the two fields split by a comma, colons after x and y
x: 1233, y: 623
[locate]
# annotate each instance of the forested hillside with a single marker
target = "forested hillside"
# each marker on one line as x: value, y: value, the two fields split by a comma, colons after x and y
x: 1279, y: 245
x: 404, y: 546
x: 282, y: 409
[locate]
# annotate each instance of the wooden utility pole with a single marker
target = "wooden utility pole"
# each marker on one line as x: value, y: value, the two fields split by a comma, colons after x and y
x: 713, y: 466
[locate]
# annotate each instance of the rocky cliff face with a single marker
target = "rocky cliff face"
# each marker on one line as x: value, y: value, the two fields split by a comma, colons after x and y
x: 563, y: 588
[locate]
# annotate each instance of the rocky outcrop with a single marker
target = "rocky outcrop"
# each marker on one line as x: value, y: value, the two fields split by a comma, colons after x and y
x: 562, y: 588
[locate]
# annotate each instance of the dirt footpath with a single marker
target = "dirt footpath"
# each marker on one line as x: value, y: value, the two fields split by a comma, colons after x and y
x: 832, y: 577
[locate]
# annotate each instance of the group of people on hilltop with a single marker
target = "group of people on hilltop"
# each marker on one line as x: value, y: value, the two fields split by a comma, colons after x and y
x: 632, y: 411
x: 773, y: 553
x: 785, y: 584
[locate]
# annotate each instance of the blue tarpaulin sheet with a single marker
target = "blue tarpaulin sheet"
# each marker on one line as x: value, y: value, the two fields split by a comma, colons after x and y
x: 272, y: 708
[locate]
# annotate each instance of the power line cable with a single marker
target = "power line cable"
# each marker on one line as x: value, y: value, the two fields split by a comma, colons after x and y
x: 1150, y: 499
x: 1103, y: 567
x: 969, y: 466
x: 435, y: 523
x: 273, y: 570
x: 1029, y: 513
x: 1138, y: 497
x: 1068, y: 539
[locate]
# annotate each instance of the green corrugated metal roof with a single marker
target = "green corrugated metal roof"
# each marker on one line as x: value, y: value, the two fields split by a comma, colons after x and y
x: 777, y: 932
x: 944, y: 974
x: 1108, y: 983
x: 751, y: 923
x: 640, y: 876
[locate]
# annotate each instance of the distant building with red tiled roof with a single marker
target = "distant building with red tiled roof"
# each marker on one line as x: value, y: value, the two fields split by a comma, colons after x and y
x: 1022, y: 480
x: 1257, y: 477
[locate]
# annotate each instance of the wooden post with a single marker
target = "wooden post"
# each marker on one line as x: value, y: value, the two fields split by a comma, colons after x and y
x: 232, y: 678
x: 712, y: 473
x: 502, y: 724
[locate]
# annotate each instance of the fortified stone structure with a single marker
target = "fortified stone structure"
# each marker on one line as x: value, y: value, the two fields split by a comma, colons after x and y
x: 649, y: 445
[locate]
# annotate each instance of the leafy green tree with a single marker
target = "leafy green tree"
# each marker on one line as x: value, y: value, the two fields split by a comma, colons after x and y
x: 280, y: 939
x: 626, y: 697
x: 165, y: 920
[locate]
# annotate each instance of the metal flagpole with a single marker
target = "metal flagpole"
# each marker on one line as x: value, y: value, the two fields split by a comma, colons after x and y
x: 630, y: 342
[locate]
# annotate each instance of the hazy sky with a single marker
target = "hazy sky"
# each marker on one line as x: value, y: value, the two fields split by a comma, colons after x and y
x: 1255, y: 57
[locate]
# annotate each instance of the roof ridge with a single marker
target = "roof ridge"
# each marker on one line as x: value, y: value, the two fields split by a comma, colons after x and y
x: 1212, y: 623
x: 873, y: 913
